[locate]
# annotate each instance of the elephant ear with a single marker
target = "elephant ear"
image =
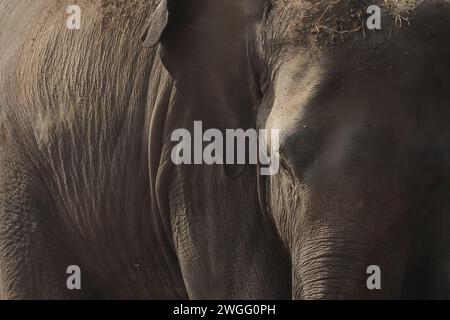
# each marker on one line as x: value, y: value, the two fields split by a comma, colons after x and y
x: 157, y: 24
x: 204, y: 47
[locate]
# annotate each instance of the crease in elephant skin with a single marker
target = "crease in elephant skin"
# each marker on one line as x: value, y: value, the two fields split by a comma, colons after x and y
x: 85, y: 170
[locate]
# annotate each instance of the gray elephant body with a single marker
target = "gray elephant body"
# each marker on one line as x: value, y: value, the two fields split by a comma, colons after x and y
x: 86, y: 176
x: 83, y: 118
x: 74, y: 170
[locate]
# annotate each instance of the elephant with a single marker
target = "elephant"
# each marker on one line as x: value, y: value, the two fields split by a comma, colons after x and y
x: 87, y: 180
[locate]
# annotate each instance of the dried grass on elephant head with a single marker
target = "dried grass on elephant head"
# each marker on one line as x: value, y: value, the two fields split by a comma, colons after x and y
x: 327, y: 23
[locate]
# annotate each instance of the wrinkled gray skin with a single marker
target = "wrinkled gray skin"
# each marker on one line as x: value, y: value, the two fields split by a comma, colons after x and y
x: 86, y: 177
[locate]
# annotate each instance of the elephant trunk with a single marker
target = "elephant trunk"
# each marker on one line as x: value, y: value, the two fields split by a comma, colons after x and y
x: 344, y: 242
x: 339, y: 268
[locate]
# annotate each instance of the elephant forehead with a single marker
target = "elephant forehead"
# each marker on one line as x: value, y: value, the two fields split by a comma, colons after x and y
x: 316, y: 5
x: 296, y: 83
x: 328, y: 23
x: 325, y: 11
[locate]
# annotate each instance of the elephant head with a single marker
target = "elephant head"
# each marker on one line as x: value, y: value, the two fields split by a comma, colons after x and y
x: 362, y: 116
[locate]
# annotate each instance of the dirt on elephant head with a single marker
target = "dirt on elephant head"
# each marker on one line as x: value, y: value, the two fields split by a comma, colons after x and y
x: 328, y: 23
